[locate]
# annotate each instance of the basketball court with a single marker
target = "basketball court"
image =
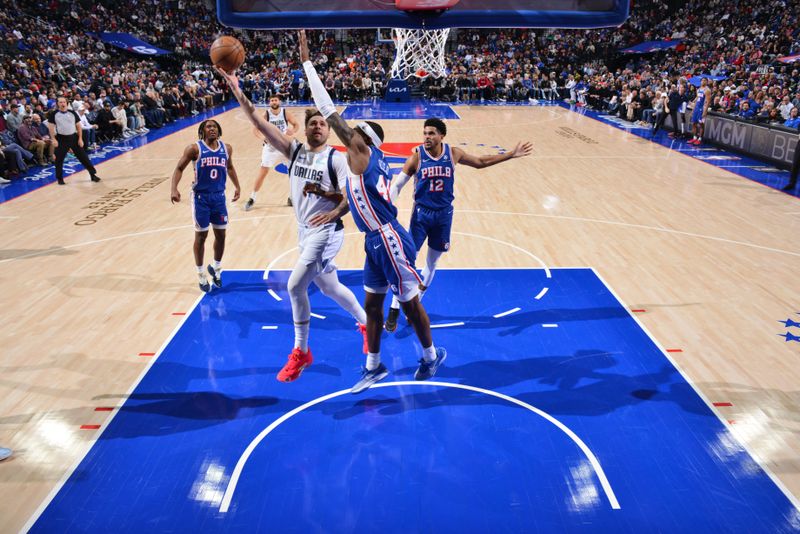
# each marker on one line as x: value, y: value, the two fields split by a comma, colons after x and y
x: 621, y: 319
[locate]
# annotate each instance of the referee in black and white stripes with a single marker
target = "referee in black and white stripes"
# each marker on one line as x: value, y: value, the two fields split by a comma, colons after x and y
x: 65, y: 130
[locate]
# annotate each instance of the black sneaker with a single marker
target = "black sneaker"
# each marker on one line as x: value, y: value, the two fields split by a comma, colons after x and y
x: 789, y: 188
x: 215, y: 279
x: 61, y: 181
x: 391, y: 321
x: 289, y: 201
x: 249, y: 204
x: 370, y: 377
x: 205, y: 287
x: 426, y: 370
x: 95, y: 178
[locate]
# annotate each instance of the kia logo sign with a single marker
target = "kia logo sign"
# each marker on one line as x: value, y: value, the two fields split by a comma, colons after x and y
x: 398, y: 89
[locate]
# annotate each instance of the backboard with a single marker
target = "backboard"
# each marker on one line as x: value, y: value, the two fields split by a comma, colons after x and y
x: 426, y: 14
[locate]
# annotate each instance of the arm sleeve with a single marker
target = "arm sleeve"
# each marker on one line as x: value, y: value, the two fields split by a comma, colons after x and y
x: 397, y: 184
x: 321, y: 97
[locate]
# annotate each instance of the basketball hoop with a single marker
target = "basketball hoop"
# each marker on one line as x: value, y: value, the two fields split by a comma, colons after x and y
x: 420, y: 53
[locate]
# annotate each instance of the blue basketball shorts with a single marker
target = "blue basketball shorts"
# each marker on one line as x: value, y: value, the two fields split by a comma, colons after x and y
x: 209, y: 209
x: 434, y: 225
x: 390, y: 262
x: 697, y: 115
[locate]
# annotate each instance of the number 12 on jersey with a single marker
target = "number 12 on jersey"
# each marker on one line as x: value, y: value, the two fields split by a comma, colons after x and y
x: 436, y: 185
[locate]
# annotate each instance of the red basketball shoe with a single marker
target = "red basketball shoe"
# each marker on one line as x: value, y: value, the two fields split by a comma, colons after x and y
x: 298, y: 360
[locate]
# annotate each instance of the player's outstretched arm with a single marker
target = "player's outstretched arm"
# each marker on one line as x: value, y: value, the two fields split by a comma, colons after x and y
x: 358, y: 152
x: 237, y: 190
x: 409, y: 169
x: 190, y: 154
x: 279, y: 141
x: 479, y: 162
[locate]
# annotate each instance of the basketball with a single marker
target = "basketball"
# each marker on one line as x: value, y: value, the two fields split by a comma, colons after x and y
x: 227, y: 53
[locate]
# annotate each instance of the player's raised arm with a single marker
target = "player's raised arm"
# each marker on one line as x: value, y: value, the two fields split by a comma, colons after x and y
x: 409, y: 169
x: 190, y: 154
x: 232, y: 174
x: 479, y: 162
x: 279, y: 141
x: 358, y: 152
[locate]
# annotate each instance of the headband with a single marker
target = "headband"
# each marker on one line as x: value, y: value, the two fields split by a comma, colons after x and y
x: 367, y: 129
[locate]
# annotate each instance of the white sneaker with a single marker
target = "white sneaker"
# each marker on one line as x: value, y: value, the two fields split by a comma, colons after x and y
x: 4, y: 181
x: 4, y: 453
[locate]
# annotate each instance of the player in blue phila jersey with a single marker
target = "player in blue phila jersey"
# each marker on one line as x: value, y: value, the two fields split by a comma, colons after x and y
x: 213, y: 164
x: 390, y: 251
x: 701, y: 103
x: 432, y: 165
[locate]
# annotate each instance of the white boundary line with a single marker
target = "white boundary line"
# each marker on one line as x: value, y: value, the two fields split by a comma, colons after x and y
x: 447, y: 325
x: 543, y: 264
x: 237, y: 471
x: 88, y: 446
x: 542, y: 292
x: 710, y: 405
x: 269, y: 327
x: 508, y: 312
x: 134, y: 234
x: 492, y: 212
x: 549, y: 325
x: 317, y: 316
x: 637, y: 226
x: 274, y: 295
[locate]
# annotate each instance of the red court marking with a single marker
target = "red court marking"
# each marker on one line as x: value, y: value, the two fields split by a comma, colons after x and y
x: 390, y: 149
x: 638, y: 311
x: 104, y: 409
x: 90, y: 427
x: 147, y: 354
x: 674, y: 350
x: 178, y: 313
x: 723, y: 404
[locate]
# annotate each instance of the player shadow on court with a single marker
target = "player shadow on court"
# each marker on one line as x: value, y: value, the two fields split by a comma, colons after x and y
x: 251, y: 316
x: 582, y: 384
x: 517, y: 323
x: 159, y: 414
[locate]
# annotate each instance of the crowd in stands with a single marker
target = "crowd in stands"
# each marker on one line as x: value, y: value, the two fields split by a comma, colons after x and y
x: 51, y: 49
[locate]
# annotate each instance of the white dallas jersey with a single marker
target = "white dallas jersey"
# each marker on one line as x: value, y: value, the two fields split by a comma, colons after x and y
x: 278, y: 120
x: 307, y: 167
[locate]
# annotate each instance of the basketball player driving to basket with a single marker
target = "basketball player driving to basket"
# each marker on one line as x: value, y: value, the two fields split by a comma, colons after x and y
x: 315, y: 171
x: 389, y: 247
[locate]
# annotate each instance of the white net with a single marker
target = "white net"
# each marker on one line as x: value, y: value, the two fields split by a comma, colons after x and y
x: 420, y: 53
